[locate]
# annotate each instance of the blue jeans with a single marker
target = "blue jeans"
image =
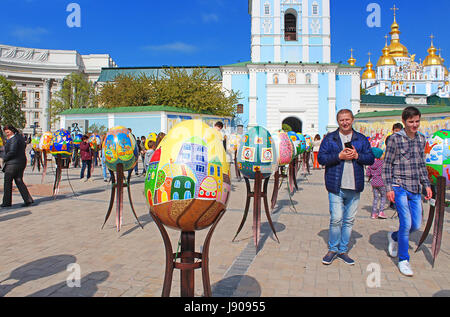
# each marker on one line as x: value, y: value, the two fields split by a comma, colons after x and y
x: 105, y: 176
x: 343, y: 208
x: 409, y: 208
x: 86, y: 164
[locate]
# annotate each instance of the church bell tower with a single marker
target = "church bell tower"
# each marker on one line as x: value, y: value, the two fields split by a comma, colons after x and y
x: 290, y: 31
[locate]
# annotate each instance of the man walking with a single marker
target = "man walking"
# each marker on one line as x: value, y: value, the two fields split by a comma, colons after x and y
x: 344, y: 153
x: 404, y: 173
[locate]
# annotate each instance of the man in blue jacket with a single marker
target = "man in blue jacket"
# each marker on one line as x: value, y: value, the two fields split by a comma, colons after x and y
x: 344, y: 153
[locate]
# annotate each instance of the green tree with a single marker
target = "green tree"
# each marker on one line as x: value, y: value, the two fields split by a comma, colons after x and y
x: 196, y: 90
x: 97, y: 129
x: 363, y: 91
x: 76, y: 92
x: 10, y: 105
x: 286, y: 127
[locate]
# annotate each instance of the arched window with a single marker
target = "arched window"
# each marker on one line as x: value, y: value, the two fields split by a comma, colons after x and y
x: 308, y: 78
x: 211, y: 170
x: 175, y: 196
x: 315, y: 9
x: 177, y: 184
x: 290, y: 27
x: 276, y: 79
x: 292, y: 78
x: 187, y: 195
x: 187, y: 184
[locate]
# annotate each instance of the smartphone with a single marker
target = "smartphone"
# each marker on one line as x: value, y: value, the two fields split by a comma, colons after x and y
x: 348, y: 145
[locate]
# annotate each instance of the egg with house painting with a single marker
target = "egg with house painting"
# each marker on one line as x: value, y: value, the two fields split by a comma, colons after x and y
x: 61, y: 143
x: 284, y: 146
x: 187, y: 184
x: 45, y: 140
x: 437, y: 151
x: 257, y: 152
x: 120, y: 148
x: 308, y: 141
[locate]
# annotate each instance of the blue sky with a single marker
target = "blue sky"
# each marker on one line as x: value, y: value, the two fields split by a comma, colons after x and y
x: 207, y: 32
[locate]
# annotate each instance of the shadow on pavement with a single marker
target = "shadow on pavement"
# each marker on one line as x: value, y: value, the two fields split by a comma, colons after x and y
x: 16, y: 215
x: 87, y: 287
x: 245, y: 283
x: 35, y: 270
x: 353, y: 238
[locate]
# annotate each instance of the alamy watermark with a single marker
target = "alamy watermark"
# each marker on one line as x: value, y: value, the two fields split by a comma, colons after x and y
x: 74, y: 18
x: 74, y: 278
x: 374, y: 278
x: 374, y: 18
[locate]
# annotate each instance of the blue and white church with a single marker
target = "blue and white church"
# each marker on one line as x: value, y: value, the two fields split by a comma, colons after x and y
x: 290, y: 78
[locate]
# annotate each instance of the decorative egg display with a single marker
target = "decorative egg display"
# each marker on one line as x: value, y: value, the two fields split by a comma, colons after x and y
x: 303, y: 145
x: 77, y: 140
x: 187, y: 183
x: 94, y: 142
x: 35, y: 143
x: 284, y: 146
x: 294, y: 138
x: 150, y: 137
x: 257, y: 152
x: 308, y: 141
x: 119, y: 146
x: 61, y: 143
x: 44, y: 142
x: 437, y: 152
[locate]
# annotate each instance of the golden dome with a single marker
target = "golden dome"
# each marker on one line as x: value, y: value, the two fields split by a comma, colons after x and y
x: 386, y: 59
x: 396, y: 49
x: 369, y: 73
x: 351, y: 60
x: 432, y: 59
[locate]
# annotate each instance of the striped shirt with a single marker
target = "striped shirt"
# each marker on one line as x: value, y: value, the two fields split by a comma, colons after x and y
x: 404, y: 162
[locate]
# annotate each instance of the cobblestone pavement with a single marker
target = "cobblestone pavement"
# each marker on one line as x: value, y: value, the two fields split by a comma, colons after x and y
x: 40, y: 242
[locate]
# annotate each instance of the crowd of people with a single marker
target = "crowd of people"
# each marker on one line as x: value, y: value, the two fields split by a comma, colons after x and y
x: 398, y: 175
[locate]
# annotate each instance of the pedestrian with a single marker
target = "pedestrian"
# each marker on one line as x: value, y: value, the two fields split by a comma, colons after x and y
x: 316, y: 147
x: 86, y: 158
x: 219, y: 127
x: 142, y: 154
x: 136, y: 168
x: 397, y: 127
x: 404, y: 174
x: 344, y: 153
x: 14, y: 164
x: 149, y: 153
x: 374, y: 172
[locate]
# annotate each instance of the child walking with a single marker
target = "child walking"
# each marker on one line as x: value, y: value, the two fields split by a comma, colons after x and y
x: 379, y: 190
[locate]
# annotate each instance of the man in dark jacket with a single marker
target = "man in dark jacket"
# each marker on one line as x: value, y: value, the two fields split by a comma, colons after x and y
x: 15, y: 162
x: 344, y: 153
x: 86, y: 158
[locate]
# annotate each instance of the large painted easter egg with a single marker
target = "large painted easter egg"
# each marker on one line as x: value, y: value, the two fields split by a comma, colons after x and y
x: 44, y: 142
x: 61, y: 143
x: 257, y: 152
x: 308, y: 141
x: 35, y: 143
x: 284, y: 146
x: 77, y: 140
x: 95, y: 142
x: 119, y: 146
x: 294, y: 138
x: 302, y: 143
x: 437, y: 152
x: 187, y: 184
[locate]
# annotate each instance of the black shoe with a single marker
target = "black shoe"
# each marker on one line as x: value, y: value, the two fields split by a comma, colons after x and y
x: 329, y: 257
x: 27, y: 204
x: 5, y: 206
x: 344, y: 257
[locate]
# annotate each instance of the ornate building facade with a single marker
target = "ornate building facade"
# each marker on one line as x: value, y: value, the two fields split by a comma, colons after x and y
x: 290, y: 78
x: 38, y: 73
x: 398, y: 73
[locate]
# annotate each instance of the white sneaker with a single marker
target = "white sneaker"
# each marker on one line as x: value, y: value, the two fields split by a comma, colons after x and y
x: 405, y: 268
x: 82, y: 179
x: 392, y: 246
x: 85, y: 180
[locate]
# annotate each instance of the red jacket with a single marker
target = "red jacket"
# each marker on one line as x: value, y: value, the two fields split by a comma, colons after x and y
x: 85, y: 151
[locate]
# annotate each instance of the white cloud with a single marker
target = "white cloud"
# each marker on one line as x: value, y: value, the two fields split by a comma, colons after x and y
x: 210, y: 17
x: 29, y: 33
x: 178, y: 47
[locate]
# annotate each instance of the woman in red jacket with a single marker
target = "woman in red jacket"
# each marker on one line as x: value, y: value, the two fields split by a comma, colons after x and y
x: 86, y: 157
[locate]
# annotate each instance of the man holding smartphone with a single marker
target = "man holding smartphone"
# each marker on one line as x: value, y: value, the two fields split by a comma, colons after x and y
x: 344, y: 153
